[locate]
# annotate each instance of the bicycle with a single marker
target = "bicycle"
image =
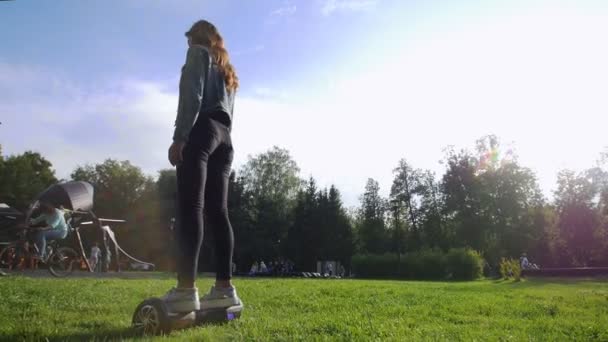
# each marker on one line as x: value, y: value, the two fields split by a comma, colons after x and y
x: 60, y: 261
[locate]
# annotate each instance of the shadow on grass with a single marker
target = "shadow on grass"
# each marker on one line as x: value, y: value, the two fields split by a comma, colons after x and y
x: 100, y: 335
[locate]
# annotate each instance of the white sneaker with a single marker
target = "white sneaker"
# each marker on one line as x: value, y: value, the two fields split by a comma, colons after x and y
x: 181, y: 300
x: 220, y: 298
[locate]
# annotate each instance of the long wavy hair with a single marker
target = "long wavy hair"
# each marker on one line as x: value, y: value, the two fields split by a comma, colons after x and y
x: 205, y: 33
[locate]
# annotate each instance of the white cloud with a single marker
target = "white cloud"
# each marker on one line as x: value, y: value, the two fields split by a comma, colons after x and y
x: 328, y: 7
x: 133, y: 122
x: 248, y: 51
x: 288, y: 9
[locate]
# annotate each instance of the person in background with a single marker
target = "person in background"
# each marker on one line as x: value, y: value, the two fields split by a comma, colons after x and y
x: 51, y: 226
x: 254, y: 268
x: 263, y: 268
x: 95, y: 255
x: 108, y: 259
x: 524, y: 262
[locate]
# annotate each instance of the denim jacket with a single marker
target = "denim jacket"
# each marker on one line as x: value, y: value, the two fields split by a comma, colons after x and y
x: 202, y: 90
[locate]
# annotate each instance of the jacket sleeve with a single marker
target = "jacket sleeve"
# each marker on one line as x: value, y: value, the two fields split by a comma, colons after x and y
x: 38, y: 219
x: 191, y: 86
x: 55, y: 220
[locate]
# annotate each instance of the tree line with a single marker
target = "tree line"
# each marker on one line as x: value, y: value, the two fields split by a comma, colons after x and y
x: 485, y: 201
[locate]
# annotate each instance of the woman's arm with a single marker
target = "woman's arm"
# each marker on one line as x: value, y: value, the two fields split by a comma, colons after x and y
x: 191, y: 87
x: 38, y: 219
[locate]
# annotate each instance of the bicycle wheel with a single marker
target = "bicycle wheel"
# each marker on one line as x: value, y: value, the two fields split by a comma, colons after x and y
x: 9, y: 258
x: 61, y: 262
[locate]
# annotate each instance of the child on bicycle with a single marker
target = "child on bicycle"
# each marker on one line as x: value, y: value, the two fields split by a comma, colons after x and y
x: 53, y: 227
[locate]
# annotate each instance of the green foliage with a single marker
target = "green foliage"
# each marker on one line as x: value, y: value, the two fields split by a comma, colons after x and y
x: 457, y: 264
x: 118, y: 185
x: 371, y: 220
x: 464, y: 264
x: 510, y: 269
x: 320, y: 230
x: 424, y: 264
x: 270, y: 182
x: 485, y: 201
x: 23, y: 177
x: 491, y: 201
x: 123, y: 191
x: 167, y: 191
x: 272, y: 176
x: 581, y: 214
x: 375, y: 265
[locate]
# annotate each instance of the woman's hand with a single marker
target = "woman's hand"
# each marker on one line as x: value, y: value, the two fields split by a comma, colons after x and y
x: 175, y: 152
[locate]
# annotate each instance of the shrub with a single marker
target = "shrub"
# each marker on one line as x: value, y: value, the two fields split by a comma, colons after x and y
x: 431, y: 264
x: 425, y: 264
x: 510, y: 268
x: 464, y: 264
x: 374, y: 266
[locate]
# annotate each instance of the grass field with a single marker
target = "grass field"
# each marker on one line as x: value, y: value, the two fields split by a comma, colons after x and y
x: 303, y: 309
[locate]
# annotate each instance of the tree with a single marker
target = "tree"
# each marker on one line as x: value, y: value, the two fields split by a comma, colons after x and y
x: 430, y: 212
x: 492, y: 203
x: 271, y: 181
x: 118, y: 185
x: 340, y: 231
x: 23, y: 177
x: 371, y: 227
x: 320, y: 230
x: 404, y: 201
x: 242, y: 217
x: 579, y: 222
x: 167, y: 192
x: 123, y: 191
x: 461, y: 190
x: 304, y: 238
x: 272, y: 176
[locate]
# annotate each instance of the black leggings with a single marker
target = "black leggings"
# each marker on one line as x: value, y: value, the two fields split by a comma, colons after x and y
x: 202, y: 185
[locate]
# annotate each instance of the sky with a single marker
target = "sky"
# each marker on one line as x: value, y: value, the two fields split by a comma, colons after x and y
x: 349, y: 87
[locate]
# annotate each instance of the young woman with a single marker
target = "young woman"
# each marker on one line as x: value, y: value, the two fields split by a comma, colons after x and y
x: 53, y: 227
x: 202, y: 151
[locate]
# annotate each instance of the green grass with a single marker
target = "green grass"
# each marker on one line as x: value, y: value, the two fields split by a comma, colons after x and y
x: 303, y: 309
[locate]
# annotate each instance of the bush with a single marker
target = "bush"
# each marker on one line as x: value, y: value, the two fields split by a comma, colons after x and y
x: 430, y: 264
x: 375, y: 266
x: 425, y: 264
x: 510, y: 268
x: 464, y: 264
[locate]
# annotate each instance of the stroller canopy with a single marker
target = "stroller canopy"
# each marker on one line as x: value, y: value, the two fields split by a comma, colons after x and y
x: 74, y: 195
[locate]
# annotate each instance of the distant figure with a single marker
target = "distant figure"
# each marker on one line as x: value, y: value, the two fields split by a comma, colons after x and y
x: 254, y: 268
x: 329, y: 269
x: 263, y: 268
x: 108, y: 258
x: 523, y: 262
x: 95, y: 256
x: 342, y: 271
